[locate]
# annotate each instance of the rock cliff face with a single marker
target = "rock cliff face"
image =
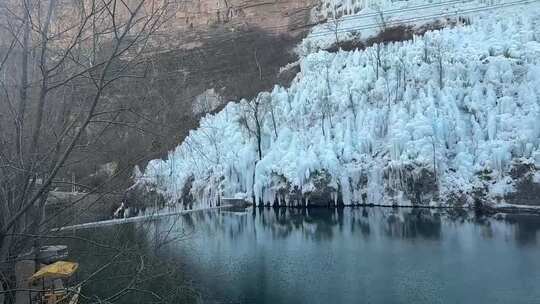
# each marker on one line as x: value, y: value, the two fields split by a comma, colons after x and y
x: 275, y: 15
x: 191, y: 21
x: 209, y: 52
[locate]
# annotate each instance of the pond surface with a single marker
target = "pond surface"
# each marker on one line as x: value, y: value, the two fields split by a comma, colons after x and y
x: 351, y: 255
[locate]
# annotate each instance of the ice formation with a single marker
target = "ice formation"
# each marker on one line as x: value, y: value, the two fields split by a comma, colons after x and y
x: 448, y: 114
x: 362, y: 20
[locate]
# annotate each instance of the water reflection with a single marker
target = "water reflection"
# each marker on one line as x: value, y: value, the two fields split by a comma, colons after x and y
x: 324, y: 224
x: 416, y: 223
x: 352, y: 255
x: 526, y: 228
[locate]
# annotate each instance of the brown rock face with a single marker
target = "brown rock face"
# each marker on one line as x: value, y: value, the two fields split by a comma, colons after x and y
x: 233, y: 48
x: 280, y: 16
x: 191, y: 21
x: 230, y: 49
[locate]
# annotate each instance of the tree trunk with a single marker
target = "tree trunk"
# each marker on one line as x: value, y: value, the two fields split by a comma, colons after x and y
x: 24, y: 85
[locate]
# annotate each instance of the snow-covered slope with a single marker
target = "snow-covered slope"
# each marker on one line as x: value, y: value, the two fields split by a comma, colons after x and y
x: 447, y: 119
x: 328, y: 9
x: 363, y: 20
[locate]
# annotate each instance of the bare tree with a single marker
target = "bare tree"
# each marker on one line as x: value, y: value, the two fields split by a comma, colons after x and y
x: 439, y: 53
x: 376, y: 53
x: 381, y: 19
x: 433, y: 146
x: 252, y: 118
x: 333, y: 25
x: 400, y: 78
x: 57, y: 46
x: 377, y: 50
x: 426, y: 48
x: 326, y: 104
x: 352, y: 103
x: 273, y: 116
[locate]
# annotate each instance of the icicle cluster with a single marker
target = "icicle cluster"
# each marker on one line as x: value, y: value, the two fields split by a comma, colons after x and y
x: 444, y: 110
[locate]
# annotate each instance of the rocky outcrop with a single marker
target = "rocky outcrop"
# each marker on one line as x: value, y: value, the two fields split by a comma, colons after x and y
x: 187, y: 198
x: 321, y: 192
x: 191, y: 21
x: 408, y: 185
x: 526, y: 179
x: 230, y: 67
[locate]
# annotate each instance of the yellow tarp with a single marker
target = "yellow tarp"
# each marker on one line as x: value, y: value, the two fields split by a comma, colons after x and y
x: 60, y: 269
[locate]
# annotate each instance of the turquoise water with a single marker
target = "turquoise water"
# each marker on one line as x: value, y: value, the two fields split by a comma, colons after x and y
x: 372, y: 255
